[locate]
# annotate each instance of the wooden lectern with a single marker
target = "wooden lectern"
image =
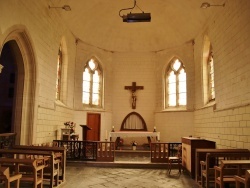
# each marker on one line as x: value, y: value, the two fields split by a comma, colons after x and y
x: 85, y: 129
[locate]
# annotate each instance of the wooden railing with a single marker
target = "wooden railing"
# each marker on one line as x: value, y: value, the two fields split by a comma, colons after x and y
x: 105, y: 151
x: 160, y: 151
x: 87, y: 150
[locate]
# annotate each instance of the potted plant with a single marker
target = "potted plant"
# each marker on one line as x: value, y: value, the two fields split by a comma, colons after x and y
x: 134, y: 144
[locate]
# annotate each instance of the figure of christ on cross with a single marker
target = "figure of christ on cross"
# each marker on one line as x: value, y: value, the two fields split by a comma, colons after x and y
x: 133, y: 89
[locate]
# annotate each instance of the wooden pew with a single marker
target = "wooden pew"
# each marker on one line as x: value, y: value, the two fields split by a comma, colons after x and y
x: 200, y: 155
x: 227, y: 170
x: 213, y: 159
x: 59, y: 154
x: 7, y: 178
x: 35, y: 176
x: 243, y: 180
x: 48, y: 158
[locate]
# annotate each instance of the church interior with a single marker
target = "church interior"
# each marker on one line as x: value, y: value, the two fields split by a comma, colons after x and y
x: 130, y: 72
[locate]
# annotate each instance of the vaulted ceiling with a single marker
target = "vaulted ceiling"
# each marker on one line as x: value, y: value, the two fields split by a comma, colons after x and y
x: 173, y: 23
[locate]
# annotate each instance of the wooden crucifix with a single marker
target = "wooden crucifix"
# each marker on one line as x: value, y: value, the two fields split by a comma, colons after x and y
x: 133, y: 89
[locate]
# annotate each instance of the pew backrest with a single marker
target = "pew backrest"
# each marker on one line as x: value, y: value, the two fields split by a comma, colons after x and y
x: 59, y: 154
x: 213, y: 159
x: 200, y: 155
x: 48, y: 157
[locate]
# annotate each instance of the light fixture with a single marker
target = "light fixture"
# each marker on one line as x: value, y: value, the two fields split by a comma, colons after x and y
x: 207, y: 5
x: 135, y: 17
x: 1, y: 67
x: 65, y: 7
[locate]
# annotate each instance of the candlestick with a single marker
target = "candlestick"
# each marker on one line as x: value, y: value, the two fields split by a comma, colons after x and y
x: 154, y: 128
x: 106, y: 135
x: 113, y: 129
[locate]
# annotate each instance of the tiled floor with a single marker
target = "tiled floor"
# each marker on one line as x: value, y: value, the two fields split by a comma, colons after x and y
x: 98, y: 177
x: 129, y: 171
x: 135, y: 171
x: 80, y: 175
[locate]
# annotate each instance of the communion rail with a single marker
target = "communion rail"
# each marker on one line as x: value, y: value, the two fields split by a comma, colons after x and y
x: 160, y: 151
x: 105, y: 151
x: 87, y: 150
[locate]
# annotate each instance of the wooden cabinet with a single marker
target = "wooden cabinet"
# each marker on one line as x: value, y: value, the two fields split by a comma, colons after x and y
x: 189, y: 145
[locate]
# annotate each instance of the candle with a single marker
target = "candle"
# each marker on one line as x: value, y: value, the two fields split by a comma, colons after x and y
x: 106, y: 135
x: 154, y: 127
x: 113, y: 127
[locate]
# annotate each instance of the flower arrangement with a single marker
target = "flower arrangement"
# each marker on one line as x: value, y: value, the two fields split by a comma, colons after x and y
x: 134, y: 143
x: 70, y: 125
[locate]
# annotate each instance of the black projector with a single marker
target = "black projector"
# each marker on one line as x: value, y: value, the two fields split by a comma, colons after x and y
x: 137, y: 17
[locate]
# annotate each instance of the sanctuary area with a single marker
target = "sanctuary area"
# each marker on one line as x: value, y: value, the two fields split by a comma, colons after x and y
x: 125, y: 83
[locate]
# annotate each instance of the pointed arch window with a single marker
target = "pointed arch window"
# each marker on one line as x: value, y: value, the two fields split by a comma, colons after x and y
x: 210, y: 72
x: 92, y: 83
x: 175, y: 79
x: 59, y: 74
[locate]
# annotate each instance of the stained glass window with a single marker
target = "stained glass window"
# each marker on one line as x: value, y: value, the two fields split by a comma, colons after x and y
x: 92, y: 83
x: 59, y: 73
x: 176, y: 93
x: 210, y: 66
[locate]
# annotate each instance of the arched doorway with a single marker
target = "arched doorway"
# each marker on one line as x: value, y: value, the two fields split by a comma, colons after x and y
x: 11, y: 84
x: 19, y: 82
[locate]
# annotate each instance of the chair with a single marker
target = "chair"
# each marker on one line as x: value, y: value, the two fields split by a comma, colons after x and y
x: 224, y: 176
x: 176, y: 159
x: 207, y: 174
x: 7, y: 178
x: 243, y: 180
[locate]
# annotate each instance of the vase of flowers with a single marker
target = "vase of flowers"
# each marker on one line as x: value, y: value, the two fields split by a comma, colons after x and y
x: 134, y: 144
x: 70, y: 125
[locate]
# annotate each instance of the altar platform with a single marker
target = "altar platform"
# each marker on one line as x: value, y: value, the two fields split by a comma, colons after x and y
x: 127, y: 159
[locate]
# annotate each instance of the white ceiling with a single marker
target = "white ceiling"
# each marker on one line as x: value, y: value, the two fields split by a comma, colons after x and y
x: 173, y: 23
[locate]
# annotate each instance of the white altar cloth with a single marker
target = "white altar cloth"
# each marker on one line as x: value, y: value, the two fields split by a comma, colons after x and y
x: 134, y: 134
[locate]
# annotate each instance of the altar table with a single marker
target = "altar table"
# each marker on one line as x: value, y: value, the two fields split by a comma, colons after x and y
x: 124, y: 134
x: 134, y: 134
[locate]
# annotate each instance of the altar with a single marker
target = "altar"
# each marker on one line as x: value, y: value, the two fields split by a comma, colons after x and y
x: 134, y: 126
x: 125, y: 134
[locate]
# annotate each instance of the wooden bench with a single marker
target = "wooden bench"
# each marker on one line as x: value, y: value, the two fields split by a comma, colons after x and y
x: 7, y: 178
x: 59, y: 156
x: 35, y: 175
x: 243, y: 180
x: 213, y: 159
x: 200, y: 155
x: 228, y: 169
x: 48, y: 157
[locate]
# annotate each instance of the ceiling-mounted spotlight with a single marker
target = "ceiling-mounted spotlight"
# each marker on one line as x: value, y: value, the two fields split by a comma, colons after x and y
x: 135, y: 17
x: 207, y: 5
x: 65, y: 7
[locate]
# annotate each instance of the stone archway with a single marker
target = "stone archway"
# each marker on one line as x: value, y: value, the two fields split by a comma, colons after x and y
x: 23, y: 108
x: 11, y: 84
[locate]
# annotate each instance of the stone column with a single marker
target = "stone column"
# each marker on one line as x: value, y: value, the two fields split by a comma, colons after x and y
x: 1, y: 67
